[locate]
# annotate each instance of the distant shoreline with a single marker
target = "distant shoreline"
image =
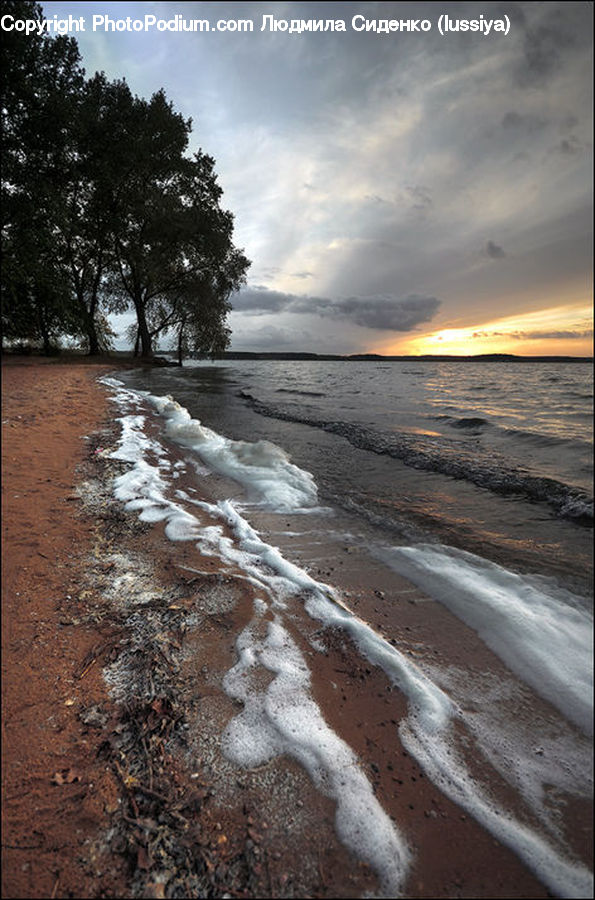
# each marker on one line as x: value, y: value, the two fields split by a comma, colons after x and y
x: 376, y: 357
x: 163, y: 357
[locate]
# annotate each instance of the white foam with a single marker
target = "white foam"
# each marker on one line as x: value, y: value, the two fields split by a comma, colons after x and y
x: 285, y: 719
x: 144, y: 486
x: 542, y: 766
x: 261, y: 467
x: 532, y: 625
x: 427, y: 732
x: 562, y: 876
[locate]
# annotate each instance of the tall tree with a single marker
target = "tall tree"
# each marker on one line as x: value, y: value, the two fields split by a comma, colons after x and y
x: 102, y: 207
x: 93, y: 183
x: 173, y: 243
x: 40, y: 80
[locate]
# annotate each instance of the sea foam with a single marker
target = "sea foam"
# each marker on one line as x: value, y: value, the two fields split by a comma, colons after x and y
x: 261, y: 467
x: 285, y: 719
x: 533, y: 625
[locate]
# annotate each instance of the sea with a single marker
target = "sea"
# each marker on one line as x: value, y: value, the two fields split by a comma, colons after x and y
x: 469, y: 481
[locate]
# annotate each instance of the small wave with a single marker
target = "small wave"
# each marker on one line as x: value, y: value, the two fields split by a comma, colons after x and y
x: 578, y: 395
x: 300, y: 393
x: 539, y: 439
x: 431, y: 455
x: 537, y: 628
x: 471, y: 422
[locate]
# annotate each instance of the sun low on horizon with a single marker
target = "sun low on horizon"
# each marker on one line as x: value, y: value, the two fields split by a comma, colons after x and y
x: 558, y: 331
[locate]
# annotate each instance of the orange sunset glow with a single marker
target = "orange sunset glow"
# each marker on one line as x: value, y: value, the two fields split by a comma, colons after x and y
x: 558, y: 331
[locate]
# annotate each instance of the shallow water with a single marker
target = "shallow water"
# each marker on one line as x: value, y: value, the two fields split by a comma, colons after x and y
x: 492, y: 458
x: 299, y: 499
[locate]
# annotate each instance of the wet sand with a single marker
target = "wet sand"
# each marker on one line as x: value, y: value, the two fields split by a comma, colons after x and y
x: 126, y: 792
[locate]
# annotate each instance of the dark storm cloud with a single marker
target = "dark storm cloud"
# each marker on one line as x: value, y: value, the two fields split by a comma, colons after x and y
x: 260, y: 301
x: 382, y: 313
x: 569, y: 146
x: 494, y: 251
x: 267, y: 338
x: 419, y: 197
x: 548, y: 41
x: 513, y: 121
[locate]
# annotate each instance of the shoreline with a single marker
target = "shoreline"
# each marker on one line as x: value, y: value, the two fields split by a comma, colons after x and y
x: 271, y: 816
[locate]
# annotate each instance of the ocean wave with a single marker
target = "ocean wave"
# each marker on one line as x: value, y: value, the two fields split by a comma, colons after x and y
x: 540, y: 439
x: 433, y: 456
x: 282, y: 717
x: 536, y: 627
x: 469, y: 422
x: 300, y: 393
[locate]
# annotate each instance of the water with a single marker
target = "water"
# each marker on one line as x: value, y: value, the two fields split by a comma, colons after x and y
x: 464, y: 487
x: 494, y: 458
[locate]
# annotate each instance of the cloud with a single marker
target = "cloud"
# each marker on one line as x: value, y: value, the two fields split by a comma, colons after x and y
x: 569, y: 145
x: 545, y: 44
x: 269, y: 337
x: 494, y: 251
x: 419, y: 196
x: 360, y: 170
x: 386, y: 314
x: 552, y: 335
x: 381, y: 313
x: 536, y: 335
x: 260, y: 301
x: 513, y: 121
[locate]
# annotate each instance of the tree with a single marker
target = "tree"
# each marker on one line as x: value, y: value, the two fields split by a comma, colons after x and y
x: 102, y: 207
x: 40, y: 79
x: 93, y: 182
x: 176, y: 261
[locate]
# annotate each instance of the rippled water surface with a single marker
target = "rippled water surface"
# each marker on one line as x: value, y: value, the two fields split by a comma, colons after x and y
x: 494, y: 458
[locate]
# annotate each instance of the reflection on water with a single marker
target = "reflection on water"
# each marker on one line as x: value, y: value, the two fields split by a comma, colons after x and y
x: 488, y: 457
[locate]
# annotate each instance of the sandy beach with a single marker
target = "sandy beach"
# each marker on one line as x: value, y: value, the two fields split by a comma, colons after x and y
x: 119, y: 787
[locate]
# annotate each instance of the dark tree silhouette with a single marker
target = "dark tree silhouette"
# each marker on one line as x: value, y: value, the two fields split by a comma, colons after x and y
x: 102, y: 208
x: 176, y: 260
x: 39, y: 83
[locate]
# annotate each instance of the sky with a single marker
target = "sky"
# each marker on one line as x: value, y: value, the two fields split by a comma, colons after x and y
x: 400, y: 192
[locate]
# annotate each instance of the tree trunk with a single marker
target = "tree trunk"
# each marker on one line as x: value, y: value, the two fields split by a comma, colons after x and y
x: 45, y: 335
x: 143, y: 330
x: 181, y: 342
x: 137, y: 342
x: 89, y: 322
x: 94, y: 348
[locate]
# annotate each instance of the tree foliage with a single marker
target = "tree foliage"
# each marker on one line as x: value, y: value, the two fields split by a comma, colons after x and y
x: 104, y: 210
x: 39, y: 80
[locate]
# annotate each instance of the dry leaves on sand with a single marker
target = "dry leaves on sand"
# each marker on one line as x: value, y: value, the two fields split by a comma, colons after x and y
x: 66, y: 776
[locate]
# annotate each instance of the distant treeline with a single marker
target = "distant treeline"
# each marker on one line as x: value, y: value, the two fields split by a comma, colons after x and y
x: 377, y: 357
x: 102, y: 210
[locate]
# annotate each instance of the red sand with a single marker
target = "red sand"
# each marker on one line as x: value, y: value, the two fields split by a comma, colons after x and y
x: 55, y: 834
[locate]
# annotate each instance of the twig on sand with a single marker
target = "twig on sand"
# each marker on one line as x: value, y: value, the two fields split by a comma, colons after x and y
x: 87, y: 667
